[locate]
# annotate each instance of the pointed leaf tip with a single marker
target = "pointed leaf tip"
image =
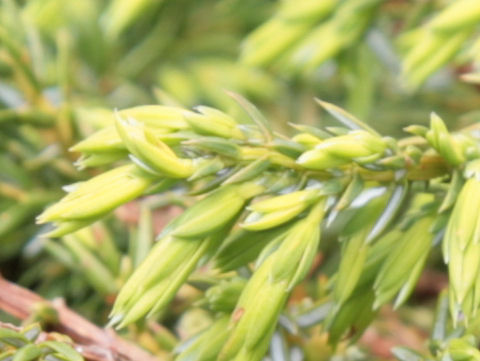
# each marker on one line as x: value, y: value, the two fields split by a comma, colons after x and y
x: 345, y: 118
x: 254, y: 113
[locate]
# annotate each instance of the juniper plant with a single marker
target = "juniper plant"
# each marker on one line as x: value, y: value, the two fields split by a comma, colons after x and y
x: 261, y: 203
x: 263, y: 210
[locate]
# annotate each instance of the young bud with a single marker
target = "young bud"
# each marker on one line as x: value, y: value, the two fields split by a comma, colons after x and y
x: 410, y: 254
x: 156, y: 281
x: 264, y: 296
x: 96, y: 197
x: 224, y: 296
x: 461, y: 248
x: 210, y: 121
x: 212, y: 212
x: 254, y: 318
x: 295, y: 255
x: 441, y: 140
x: 105, y: 140
x: 259, y: 222
x: 309, y: 141
x: 354, y: 254
x: 206, y: 345
x: 274, y: 157
x: 157, y: 116
x: 341, y: 150
x: 418, y: 130
x: 201, y: 228
x: 278, y: 210
x: 150, y: 153
x: 160, y: 119
x: 282, y: 202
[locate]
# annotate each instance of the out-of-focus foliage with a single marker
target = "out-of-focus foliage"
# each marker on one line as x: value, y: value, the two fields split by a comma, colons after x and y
x: 28, y: 344
x: 65, y: 64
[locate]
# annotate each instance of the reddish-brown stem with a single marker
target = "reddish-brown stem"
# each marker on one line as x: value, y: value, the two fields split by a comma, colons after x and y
x: 95, y: 343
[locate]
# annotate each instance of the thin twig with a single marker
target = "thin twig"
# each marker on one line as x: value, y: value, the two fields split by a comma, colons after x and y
x: 95, y: 343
